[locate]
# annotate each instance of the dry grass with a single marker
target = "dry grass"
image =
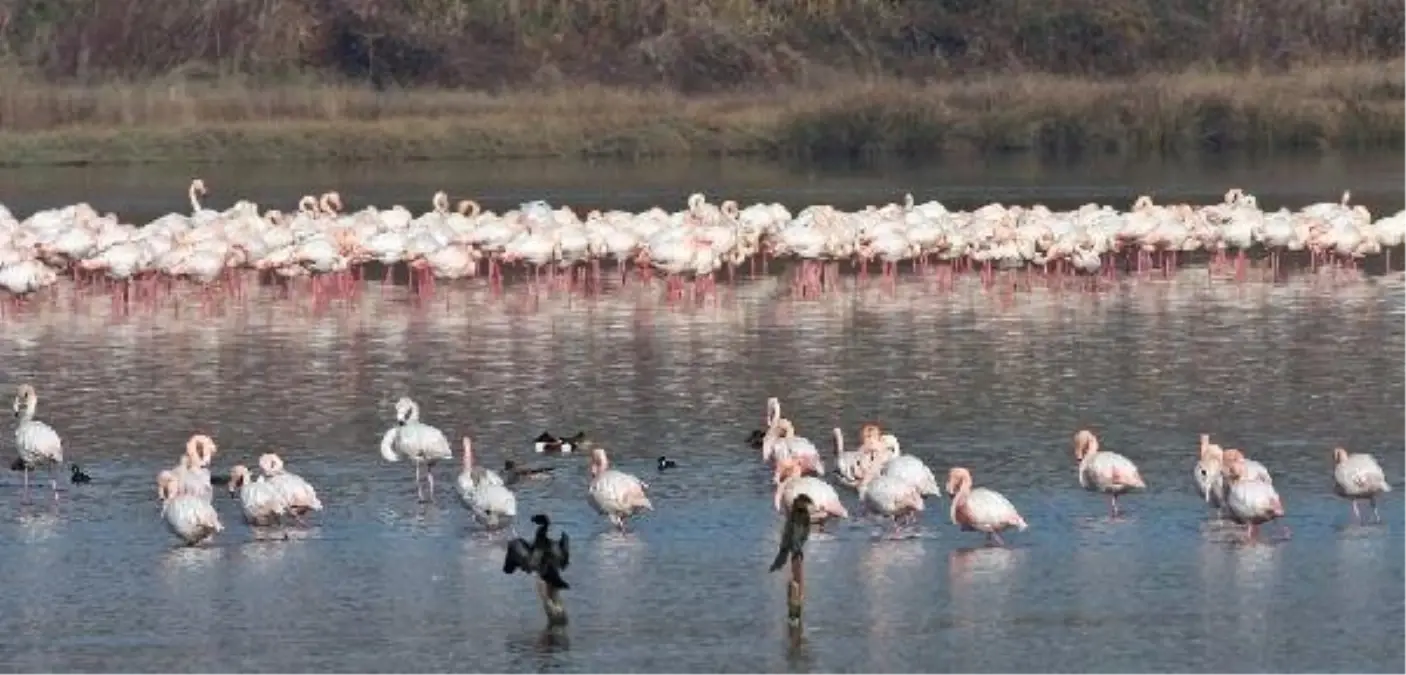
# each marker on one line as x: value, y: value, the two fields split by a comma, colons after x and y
x: 1308, y: 108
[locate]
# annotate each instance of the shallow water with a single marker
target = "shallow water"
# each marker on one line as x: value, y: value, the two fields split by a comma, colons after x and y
x: 380, y: 583
x: 142, y: 193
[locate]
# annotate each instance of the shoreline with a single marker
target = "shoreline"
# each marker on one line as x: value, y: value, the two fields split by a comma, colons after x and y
x: 1341, y: 107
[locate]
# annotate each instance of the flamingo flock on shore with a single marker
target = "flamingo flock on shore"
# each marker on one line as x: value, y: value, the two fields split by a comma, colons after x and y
x: 890, y: 485
x: 319, y: 247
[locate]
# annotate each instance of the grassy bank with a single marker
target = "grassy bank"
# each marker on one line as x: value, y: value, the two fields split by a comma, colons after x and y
x: 1352, y: 106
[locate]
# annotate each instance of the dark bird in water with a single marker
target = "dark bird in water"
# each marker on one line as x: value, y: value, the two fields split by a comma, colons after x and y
x: 795, y: 534
x: 666, y: 463
x: 546, y: 442
x: 76, y: 475
x: 19, y: 465
x: 755, y: 440
x: 543, y: 557
x: 513, y: 473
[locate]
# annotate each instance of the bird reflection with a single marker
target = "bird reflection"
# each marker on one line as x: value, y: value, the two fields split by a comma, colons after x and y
x: 890, y: 577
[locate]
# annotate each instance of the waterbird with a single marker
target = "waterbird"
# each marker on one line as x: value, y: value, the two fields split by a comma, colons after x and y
x: 1104, y: 471
x: 980, y: 509
x: 1357, y: 476
x: 297, y: 493
x: 794, y: 533
x: 512, y: 473
x: 262, y: 503
x: 824, y: 501
x: 615, y: 494
x: 546, y: 442
x: 423, y: 444
x: 190, y: 517
x: 1248, y: 501
x: 888, y: 495
x: 38, y: 444
x: 542, y: 556
x: 77, y: 475
x: 664, y: 463
x: 483, y: 493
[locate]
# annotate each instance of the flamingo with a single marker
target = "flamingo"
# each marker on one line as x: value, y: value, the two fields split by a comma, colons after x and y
x: 615, y: 494
x: 262, y: 503
x: 910, y: 470
x: 1209, y: 473
x: 824, y: 501
x: 1247, y: 501
x: 38, y: 443
x: 192, y: 474
x: 1357, y: 476
x: 189, y: 517
x: 483, y: 492
x: 888, y: 495
x: 846, y: 462
x: 297, y: 493
x: 1104, y: 471
x: 423, y: 444
x: 788, y: 446
x: 980, y: 509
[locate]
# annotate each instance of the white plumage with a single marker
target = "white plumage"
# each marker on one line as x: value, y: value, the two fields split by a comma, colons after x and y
x: 191, y: 518
x: 423, y: 444
x: 1358, y: 476
x: 483, y: 493
x: 38, y: 443
x: 298, y: 495
x: 263, y: 504
x: 615, y: 494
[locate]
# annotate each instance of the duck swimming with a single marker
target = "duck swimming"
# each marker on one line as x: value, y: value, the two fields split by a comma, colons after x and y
x: 513, y: 473
x: 546, y: 442
x: 665, y: 463
x: 76, y: 475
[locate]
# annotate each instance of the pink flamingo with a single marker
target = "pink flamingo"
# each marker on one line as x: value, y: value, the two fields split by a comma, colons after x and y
x: 1249, y: 502
x: 616, y: 494
x: 1106, y: 472
x: 980, y: 509
x: 1357, y: 476
x: 791, y: 483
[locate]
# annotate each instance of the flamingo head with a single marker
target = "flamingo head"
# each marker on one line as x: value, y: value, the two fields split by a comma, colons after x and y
x: 201, y: 450
x: 599, y: 462
x: 1339, y: 455
x: 238, y: 477
x: 957, y: 478
x: 270, y: 463
x: 406, y: 411
x: 869, y: 434
x: 1234, y: 463
x: 773, y: 411
x: 1085, y: 444
x: 25, y: 400
x: 197, y: 187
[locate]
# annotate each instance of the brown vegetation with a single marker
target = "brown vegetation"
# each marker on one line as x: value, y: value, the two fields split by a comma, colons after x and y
x: 156, y: 80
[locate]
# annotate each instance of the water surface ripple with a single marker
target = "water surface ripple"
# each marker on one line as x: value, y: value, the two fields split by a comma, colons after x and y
x: 381, y: 584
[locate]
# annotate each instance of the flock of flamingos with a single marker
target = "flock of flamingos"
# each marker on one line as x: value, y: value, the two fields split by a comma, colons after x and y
x: 890, y: 485
x: 320, y: 248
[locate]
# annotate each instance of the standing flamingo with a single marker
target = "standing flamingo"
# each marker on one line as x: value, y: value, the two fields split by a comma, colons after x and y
x: 824, y: 501
x: 615, y: 494
x: 423, y: 444
x: 888, y: 495
x: 1209, y: 473
x: 1358, y: 476
x: 38, y: 443
x: 1104, y: 471
x: 262, y: 503
x: 189, y: 517
x: 299, y: 495
x: 1249, y: 502
x: 980, y: 509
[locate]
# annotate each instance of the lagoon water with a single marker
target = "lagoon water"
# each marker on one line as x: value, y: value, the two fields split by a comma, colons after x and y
x: 996, y: 384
